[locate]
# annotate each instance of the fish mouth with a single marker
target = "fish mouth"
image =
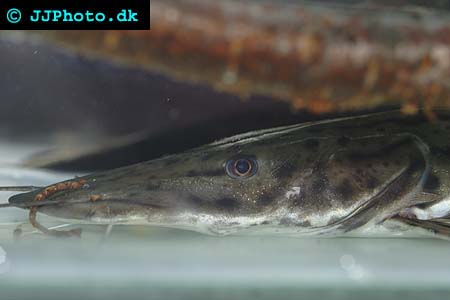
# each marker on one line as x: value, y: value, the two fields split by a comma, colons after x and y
x: 99, y: 211
x: 27, y: 200
x: 72, y: 201
x: 63, y: 204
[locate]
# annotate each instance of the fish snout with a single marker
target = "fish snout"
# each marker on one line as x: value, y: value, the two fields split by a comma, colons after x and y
x: 23, y: 200
x: 55, y: 196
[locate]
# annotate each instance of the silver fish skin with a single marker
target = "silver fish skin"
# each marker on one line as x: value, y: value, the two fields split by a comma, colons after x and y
x: 379, y: 174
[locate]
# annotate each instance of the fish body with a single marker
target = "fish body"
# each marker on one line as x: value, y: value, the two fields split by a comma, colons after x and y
x: 378, y: 174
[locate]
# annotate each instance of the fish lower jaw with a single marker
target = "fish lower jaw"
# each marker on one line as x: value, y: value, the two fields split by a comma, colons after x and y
x: 202, y: 223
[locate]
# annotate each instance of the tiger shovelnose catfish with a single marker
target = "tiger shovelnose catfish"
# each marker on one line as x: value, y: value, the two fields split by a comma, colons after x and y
x: 382, y: 174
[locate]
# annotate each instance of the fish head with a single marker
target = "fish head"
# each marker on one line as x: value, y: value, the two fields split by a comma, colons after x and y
x: 286, y: 179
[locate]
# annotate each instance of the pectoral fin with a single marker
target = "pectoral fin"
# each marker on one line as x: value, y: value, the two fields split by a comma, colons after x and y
x: 439, y: 226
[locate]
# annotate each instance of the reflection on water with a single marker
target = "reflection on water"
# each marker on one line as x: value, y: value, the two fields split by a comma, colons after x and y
x: 152, y: 259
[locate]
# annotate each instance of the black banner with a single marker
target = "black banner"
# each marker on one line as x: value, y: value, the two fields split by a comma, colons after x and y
x: 74, y: 14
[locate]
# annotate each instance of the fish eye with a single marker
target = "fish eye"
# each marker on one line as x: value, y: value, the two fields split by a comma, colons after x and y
x: 241, y: 167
